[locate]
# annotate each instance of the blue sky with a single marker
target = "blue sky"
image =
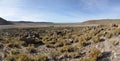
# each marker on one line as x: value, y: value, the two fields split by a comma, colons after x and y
x: 59, y: 10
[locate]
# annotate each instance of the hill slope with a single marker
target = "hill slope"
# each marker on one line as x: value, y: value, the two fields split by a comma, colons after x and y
x: 102, y: 21
x: 4, y: 22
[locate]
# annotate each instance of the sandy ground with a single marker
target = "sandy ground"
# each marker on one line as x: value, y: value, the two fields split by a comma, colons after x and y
x: 41, y: 25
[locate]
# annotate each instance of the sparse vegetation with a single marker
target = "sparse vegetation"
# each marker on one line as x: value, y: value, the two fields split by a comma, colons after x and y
x: 40, y: 58
x: 96, y: 39
x: 15, y: 51
x: 31, y: 48
x: 10, y: 58
x: 93, y: 55
x: 23, y: 57
x: 56, y: 43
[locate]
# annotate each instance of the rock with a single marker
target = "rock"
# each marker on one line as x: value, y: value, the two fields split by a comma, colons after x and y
x: 30, y: 38
x: 114, y: 25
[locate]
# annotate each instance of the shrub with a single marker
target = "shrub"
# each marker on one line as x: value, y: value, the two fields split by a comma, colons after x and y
x: 31, y: 48
x: 49, y: 45
x: 75, y: 54
x: 82, y: 41
x: 94, y: 53
x: 22, y: 43
x: 67, y: 48
x: 59, y: 44
x: 116, y: 32
x: 76, y: 39
x: 1, y: 45
x: 15, y: 51
x: 23, y: 57
x: 54, y: 54
x: 86, y: 59
x: 96, y: 39
x: 82, y: 38
x: 13, y: 44
x: 114, y: 42
x: 62, y: 42
x: 108, y: 35
x: 10, y: 58
x: 40, y: 58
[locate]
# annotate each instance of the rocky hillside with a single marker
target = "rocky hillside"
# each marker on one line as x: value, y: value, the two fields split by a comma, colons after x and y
x: 4, y: 22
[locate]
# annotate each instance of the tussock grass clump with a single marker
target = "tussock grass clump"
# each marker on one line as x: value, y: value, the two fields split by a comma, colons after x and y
x: 116, y: 32
x: 96, y: 39
x: 23, y: 57
x: 68, y: 49
x: 54, y: 55
x: 15, y: 51
x: 114, y: 42
x: 60, y: 44
x: 1, y: 45
x: 10, y: 58
x: 108, y: 35
x: 93, y: 55
x: 13, y: 44
x: 31, y: 48
x: 40, y: 58
x: 82, y: 41
x: 76, y: 54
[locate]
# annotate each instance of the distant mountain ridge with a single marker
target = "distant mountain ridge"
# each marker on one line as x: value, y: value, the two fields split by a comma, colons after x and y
x: 102, y: 21
x: 25, y: 22
x: 4, y: 22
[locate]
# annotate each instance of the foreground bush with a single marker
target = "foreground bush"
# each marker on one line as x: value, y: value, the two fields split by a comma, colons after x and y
x: 93, y: 55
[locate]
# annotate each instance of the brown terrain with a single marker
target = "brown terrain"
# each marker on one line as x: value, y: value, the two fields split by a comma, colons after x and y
x: 95, y: 40
x: 102, y: 21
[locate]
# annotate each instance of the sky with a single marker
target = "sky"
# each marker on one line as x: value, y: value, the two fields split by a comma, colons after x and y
x: 59, y: 11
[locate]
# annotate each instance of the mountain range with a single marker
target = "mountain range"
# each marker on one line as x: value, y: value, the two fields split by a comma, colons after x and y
x: 5, y: 22
x: 101, y: 21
